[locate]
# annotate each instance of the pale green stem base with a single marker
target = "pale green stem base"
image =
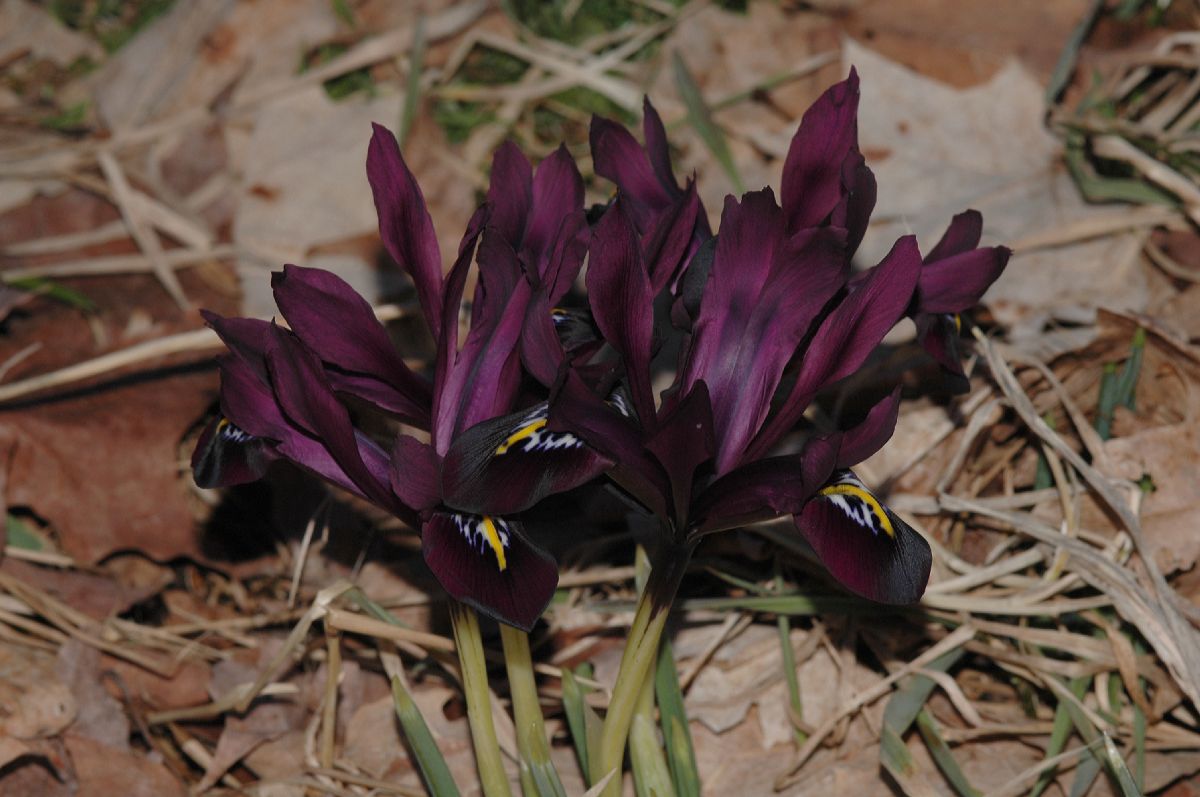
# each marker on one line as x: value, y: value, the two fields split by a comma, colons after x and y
x: 538, y: 776
x: 492, y: 776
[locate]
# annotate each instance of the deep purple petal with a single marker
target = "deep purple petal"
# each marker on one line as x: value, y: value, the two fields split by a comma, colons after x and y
x: 340, y: 327
x: 956, y: 283
x: 489, y: 563
x: 674, y: 238
x: 872, y: 433
x: 939, y: 336
x: 763, y: 292
x: 622, y: 302
x: 415, y: 473
x: 245, y: 337
x: 765, y: 488
x: 853, y: 211
x: 812, y: 172
x: 848, y: 335
x: 508, y: 464
x: 510, y: 193
x: 308, y: 401
x: 557, y: 193
x: 863, y: 544
x: 486, y: 373
x: 681, y: 444
x: 962, y: 235
x: 576, y: 409
x: 226, y: 455
x: 566, y: 257
x: 617, y: 156
x: 404, y: 222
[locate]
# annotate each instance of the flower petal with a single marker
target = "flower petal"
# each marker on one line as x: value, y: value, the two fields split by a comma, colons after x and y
x: 509, y: 463
x: 644, y: 178
x: 340, y: 327
x: 226, y: 455
x: 956, y: 283
x: 510, y: 193
x: 872, y: 433
x: 415, y: 473
x: 622, y: 302
x: 404, y: 222
x: 847, y: 336
x: 557, y: 194
x: 765, y: 488
x: 812, y: 172
x: 489, y: 563
x: 682, y: 443
x: 853, y: 211
x: 307, y: 400
x: 763, y: 293
x: 863, y: 544
x: 576, y: 409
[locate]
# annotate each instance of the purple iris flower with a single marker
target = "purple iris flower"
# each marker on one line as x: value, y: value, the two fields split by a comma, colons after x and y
x: 773, y: 317
x: 283, y: 392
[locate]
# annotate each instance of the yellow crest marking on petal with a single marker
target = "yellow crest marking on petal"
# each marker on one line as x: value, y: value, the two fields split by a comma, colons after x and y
x: 871, y: 501
x: 493, y: 539
x: 221, y: 424
x: 524, y: 433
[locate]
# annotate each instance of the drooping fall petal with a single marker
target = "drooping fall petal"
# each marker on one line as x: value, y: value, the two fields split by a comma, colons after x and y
x: 863, y: 544
x: 508, y: 464
x: 872, y: 433
x: 226, y: 455
x: 487, y: 562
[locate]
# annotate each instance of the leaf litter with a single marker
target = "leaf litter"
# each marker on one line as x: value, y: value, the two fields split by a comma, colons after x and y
x: 130, y: 643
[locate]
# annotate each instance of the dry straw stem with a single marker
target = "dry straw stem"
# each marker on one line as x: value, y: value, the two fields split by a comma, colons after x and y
x: 1155, y: 613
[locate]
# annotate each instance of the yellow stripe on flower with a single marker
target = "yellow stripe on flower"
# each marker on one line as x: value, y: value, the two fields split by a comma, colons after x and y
x: 524, y: 433
x: 493, y: 539
x: 871, y: 501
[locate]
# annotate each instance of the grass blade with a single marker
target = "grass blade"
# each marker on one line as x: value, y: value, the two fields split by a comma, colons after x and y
x: 412, y: 86
x: 433, y: 767
x: 681, y: 755
x: 581, y: 718
x: 940, y: 751
x: 1059, y: 733
x: 701, y: 119
x: 1128, y: 378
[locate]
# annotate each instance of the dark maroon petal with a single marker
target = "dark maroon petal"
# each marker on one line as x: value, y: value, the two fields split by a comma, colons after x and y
x: 956, y: 283
x: 340, y: 327
x: 541, y: 348
x: 869, y: 436
x: 673, y: 239
x: 445, y: 407
x: 682, y: 443
x: 510, y: 193
x: 557, y: 193
x: 245, y: 337
x: 657, y: 149
x: 617, y: 156
x: 416, y: 473
x: 566, y: 257
x: 226, y: 455
x: 853, y: 211
x: 812, y: 172
x: 848, y: 335
x: 576, y: 409
x: 763, y: 292
x: 863, y: 544
x: 508, y: 464
x: 962, y: 235
x: 622, y: 302
x: 404, y: 222
x: 489, y: 563
x: 765, y: 488
x: 939, y: 336
x: 308, y: 401
x: 486, y: 373
x: 249, y: 403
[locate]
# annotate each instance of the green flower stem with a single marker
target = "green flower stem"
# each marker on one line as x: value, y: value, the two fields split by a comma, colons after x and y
x: 527, y: 713
x: 467, y: 640
x: 641, y: 652
x: 651, y: 776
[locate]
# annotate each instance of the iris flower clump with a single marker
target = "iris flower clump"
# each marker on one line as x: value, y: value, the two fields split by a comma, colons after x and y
x: 747, y: 327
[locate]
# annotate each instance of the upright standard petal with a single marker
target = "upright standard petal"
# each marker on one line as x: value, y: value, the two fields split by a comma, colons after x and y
x: 488, y: 562
x: 863, y: 544
x: 872, y: 433
x: 404, y: 222
x: 557, y: 194
x: 643, y: 177
x: 847, y: 336
x: 812, y: 173
x: 510, y: 193
x: 622, y: 302
x: 763, y: 293
x: 682, y: 443
x: 338, y: 324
